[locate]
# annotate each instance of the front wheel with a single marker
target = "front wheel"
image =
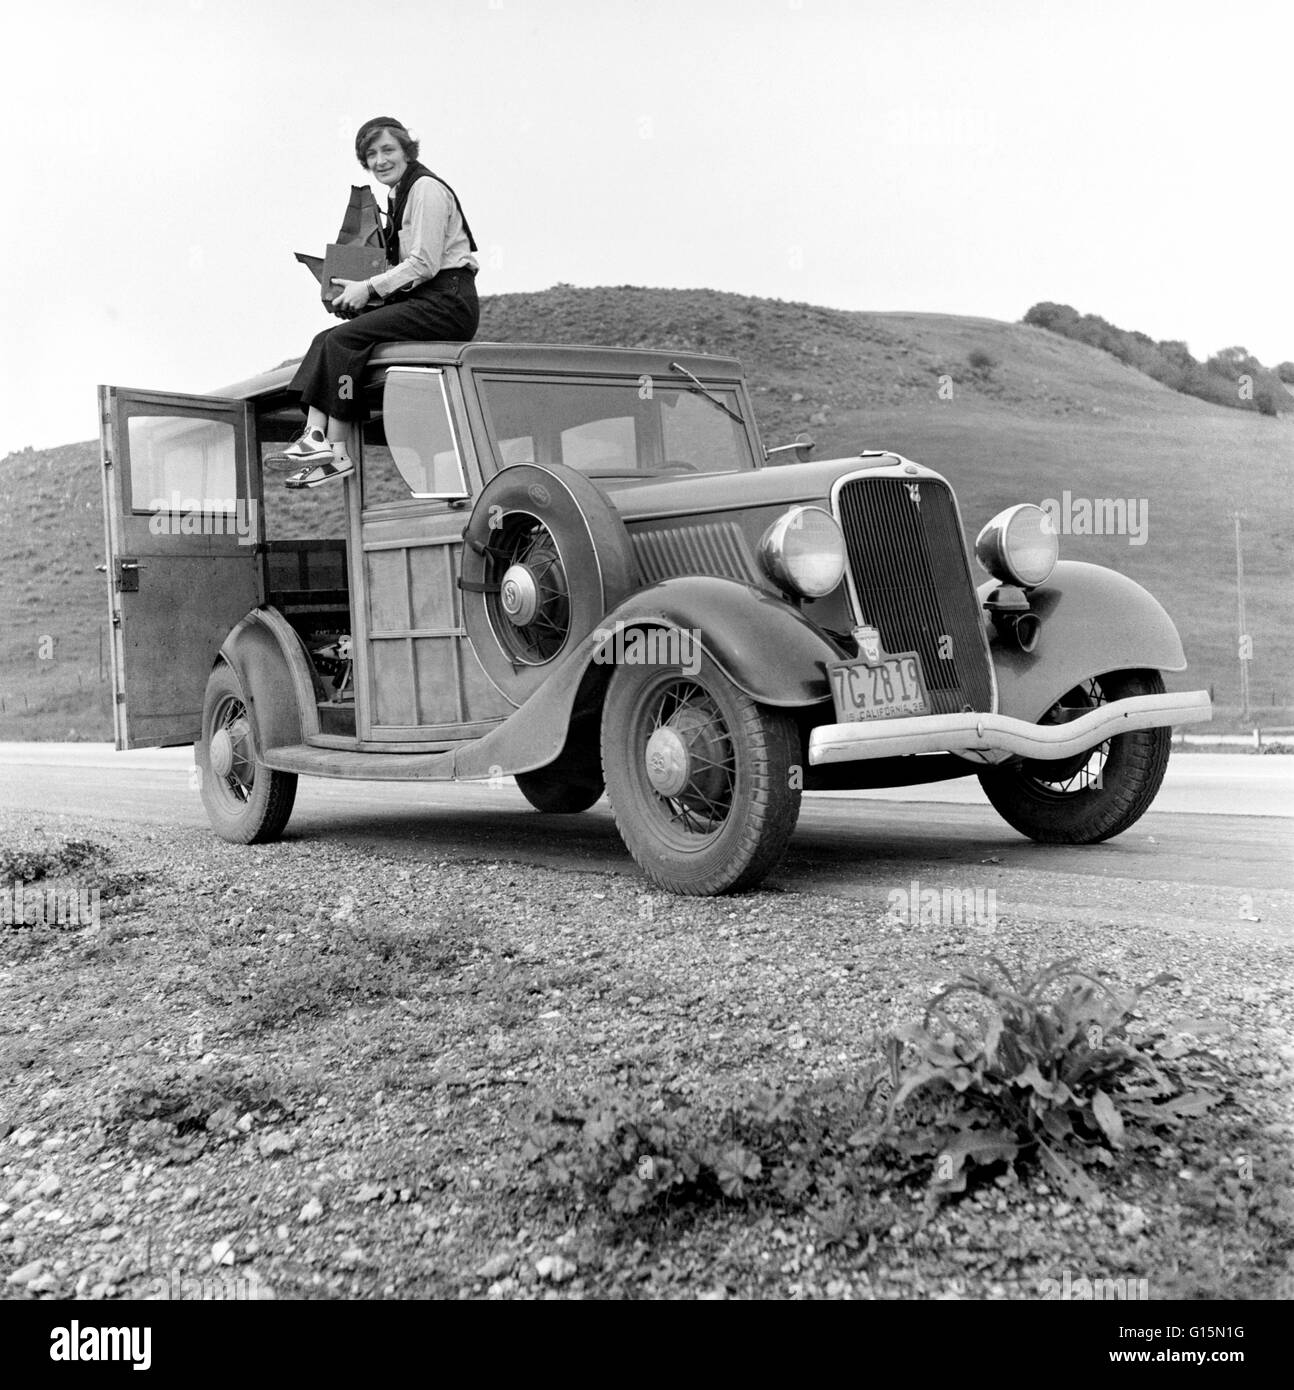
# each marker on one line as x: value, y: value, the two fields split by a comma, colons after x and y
x: 702, y: 780
x: 247, y: 802
x: 1094, y: 795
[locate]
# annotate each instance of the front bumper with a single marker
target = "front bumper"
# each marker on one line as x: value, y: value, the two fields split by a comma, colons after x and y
x: 992, y: 738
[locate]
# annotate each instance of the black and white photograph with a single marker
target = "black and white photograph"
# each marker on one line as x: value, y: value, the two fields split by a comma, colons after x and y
x: 647, y: 654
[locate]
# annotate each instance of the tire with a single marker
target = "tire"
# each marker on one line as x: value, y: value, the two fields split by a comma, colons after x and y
x: 545, y: 557
x: 722, y: 808
x: 556, y: 795
x: 1098, y: 794
x: 247, y: 803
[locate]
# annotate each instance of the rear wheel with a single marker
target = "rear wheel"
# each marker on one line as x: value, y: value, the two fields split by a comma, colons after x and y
x: 557, y: 795
x: 1093, y: 795
x: 700, y: 778
x: 247, y: 802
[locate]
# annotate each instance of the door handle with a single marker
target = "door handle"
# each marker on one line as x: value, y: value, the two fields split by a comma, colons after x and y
x: 128, y: 576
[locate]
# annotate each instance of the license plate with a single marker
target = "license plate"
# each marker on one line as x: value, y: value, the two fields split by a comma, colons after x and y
x: 885, y: 689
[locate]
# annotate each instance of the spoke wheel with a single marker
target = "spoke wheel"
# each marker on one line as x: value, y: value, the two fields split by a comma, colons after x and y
x: 247, y: 802
x: 530, y: 606
x: 545, y: 558
x: 700, y: 778
x: 1093, y: 795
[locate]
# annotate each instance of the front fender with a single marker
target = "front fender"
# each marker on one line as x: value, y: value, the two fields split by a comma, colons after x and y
x: 270, y: 663
x: 1094, y: 620
x: 763, y: 645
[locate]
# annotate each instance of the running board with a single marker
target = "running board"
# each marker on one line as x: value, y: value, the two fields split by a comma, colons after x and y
x: 362, y: 767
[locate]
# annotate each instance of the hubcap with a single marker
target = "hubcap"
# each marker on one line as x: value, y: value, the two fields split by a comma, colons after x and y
x: 232, y: 754
x: 519, y: 595
x: 668, y: 764
x: 689, y: 762
x: 222, y: 753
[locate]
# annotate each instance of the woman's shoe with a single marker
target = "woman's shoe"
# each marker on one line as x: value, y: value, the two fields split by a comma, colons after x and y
x: 322, y: 472
x: 310, y: 448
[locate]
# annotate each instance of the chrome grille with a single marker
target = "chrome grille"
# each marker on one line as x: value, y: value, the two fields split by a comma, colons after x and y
x: 913, y: 583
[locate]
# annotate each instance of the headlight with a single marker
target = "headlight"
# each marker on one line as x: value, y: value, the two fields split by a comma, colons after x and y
x: 1019, y: 546
x: 803, y: 552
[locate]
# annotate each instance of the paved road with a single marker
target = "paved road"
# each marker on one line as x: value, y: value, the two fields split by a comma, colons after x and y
x: 1215, y: 850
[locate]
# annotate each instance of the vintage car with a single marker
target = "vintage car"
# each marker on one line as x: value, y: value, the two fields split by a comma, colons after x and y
x: 579, y: 567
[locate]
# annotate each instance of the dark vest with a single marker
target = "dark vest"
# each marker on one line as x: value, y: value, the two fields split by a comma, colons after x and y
x: 391, y: 235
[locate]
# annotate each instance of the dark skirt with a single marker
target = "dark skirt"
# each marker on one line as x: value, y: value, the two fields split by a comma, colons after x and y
x: 444, y: 309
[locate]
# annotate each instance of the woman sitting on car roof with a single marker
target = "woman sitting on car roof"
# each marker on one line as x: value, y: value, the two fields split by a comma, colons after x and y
x: 429, y: 293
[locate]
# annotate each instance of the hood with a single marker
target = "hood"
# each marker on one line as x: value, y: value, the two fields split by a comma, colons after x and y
x: 685, y: 494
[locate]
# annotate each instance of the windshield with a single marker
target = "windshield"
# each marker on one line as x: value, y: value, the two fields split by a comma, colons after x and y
x: 615, y: 429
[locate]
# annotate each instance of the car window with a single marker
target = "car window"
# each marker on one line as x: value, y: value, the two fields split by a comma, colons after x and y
x: 518, y: 450
x: 420, y: 457
x: 694, y: 429
x: 614, y: 428
x: 181, y: 463
x: 601, y: 445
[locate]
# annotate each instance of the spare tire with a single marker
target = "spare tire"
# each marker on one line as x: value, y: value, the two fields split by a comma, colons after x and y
x: 545, y: 557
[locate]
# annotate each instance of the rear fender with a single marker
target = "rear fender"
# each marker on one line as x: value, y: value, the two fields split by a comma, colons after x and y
x: 1094, y: 620
x: 272, y: 666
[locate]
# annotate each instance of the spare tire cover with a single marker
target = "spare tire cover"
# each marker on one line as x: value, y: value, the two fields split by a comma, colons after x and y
x: 545, y: 557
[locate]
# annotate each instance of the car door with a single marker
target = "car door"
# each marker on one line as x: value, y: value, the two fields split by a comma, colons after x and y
x: 183, y: 537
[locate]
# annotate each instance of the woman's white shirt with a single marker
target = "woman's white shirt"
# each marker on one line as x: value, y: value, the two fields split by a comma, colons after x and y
x: 431, y: 238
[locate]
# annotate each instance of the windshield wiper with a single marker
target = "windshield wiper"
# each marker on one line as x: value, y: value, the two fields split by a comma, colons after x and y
x: 708, y: 394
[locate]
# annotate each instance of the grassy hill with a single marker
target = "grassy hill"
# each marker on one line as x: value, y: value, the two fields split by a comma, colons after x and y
x: 1038, y: 415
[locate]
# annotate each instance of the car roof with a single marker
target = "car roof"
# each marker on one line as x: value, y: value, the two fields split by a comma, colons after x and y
x: 575, y: 358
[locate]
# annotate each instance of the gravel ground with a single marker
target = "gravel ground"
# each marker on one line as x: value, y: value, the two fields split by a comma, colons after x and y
x: 304, y: 1070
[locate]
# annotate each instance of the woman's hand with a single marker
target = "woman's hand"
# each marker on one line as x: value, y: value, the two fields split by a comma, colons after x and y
x: 354, y: 296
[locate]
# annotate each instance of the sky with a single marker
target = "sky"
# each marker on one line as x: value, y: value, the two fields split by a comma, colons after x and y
x: 164, y: 161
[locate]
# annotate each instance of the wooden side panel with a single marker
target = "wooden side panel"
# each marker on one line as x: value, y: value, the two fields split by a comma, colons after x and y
x: 393, y: 688
x: 387, y: 584
x: 426, y: 680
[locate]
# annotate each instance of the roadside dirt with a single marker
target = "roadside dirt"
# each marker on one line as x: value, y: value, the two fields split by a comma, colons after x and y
x: 304, y: 1070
